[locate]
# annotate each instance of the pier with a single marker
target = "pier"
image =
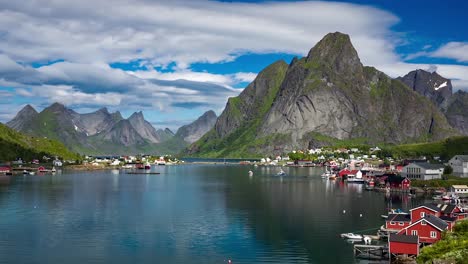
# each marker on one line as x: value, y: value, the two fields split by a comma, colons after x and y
x: 371, y: 251
x: 132, y: 172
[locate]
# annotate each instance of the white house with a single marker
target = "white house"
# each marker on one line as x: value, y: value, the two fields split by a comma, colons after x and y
x: 459, y: 164
x: 459, y: 189
x: 423, y: 171
x: 57, y: 163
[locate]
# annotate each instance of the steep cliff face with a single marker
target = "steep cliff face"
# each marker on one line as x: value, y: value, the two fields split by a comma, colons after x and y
x: 195, y: 130
x: 236, y: 129
x: 457, y: 111
x: 431, y: 85
x: 22, y: 118
x: 143, y: 127
x: 329, y: 92
x: 98, y: 122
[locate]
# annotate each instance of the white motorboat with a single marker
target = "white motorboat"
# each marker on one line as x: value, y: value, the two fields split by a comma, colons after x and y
x: 351, y: 236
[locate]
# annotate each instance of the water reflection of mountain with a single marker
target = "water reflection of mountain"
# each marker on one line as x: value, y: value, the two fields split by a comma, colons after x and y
x: 303, y: 215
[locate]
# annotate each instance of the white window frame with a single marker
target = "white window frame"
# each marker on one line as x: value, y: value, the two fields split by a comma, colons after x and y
x: 423, y: 223
x: 401, y: 223
x: 422, y: 214
x: 414, y: 232
x: 392, y: 223
x: 433, y: 234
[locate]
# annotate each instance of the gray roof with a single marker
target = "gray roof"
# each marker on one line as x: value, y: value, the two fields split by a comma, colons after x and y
x: 403, y: 239
x: 448, y: 218
x: 436, y: 221
x: 446, y: 208
x: 429, y: 166
x: 399, y: 218
x: 461, y: 157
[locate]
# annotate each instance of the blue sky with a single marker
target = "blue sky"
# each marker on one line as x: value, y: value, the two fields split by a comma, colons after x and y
x: 175, y: 60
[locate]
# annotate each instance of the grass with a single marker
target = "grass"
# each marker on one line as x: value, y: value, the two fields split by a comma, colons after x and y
x: 452, y: 248
x: 446, y: 183
x: 17, y: 145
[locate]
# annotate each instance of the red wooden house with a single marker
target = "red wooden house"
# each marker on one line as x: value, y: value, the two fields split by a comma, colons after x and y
x: 423, y: 210
x: 402, y: 244
x: 449, y: 220
x: 429, y: 229
x: 4, y: 169
x: 398, y: 182
x: 452, y: 210
x: 397, y: 222
x: 344, y: 172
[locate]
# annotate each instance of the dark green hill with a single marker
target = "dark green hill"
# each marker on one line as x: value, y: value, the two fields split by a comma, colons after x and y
x: 15, y: 145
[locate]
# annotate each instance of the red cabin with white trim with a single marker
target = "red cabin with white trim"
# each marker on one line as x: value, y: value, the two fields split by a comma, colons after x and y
x: 424, y: 210
x: 403, y: 244
x: 429, y: 229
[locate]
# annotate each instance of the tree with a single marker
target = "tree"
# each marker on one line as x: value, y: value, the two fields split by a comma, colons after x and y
x: 448, y: 169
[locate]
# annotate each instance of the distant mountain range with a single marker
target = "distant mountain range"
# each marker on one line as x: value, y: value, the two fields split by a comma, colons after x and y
x: 102, y: 132
x: 330, y: 96
x: 326, y: 97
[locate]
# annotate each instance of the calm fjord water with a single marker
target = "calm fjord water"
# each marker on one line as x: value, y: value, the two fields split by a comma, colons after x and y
x: 187, y: 214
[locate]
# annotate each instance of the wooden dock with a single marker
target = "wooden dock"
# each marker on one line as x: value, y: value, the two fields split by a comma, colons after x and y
x: 371, y: 251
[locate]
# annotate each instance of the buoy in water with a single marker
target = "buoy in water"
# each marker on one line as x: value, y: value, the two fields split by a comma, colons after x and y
x: 360, y: 215
x: 344, y: 211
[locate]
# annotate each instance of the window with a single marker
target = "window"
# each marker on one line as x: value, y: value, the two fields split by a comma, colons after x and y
x: 400, y: 223
x: 423, y: 214
x: 423, y: 223
x: 433, y: 234
x: 392, y: 223
x: 415, y: 232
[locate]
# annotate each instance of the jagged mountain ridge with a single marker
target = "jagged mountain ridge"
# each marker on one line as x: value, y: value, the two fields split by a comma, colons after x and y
x: 99, y: 132
x: 439, y: 90
x: 330, y: 93
x: 430, y: 84
x: 194, y: 131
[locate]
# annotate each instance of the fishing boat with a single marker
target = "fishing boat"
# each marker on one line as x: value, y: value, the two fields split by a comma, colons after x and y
x: 393, y: 211
x: 351, y: 236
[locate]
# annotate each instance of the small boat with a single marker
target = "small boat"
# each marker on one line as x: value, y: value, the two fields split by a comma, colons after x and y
x: 53, y: 169
x: 250, y: 173
x: 393, y: 211
x: 25, y: 172
x: 32, y: 173
x: 281, y: 173
x: 351, y: 236
x: 450, y: 197
x: 147, y: 166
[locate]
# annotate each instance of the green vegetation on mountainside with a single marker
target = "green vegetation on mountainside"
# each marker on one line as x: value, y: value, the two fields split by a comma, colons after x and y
x: 16, y: 145
x: 243, y: 142
x: 452, y: 248
x: 445, y: 149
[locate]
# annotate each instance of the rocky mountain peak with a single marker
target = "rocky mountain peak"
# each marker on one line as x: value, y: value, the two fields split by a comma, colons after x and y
x: 23, y: 117
x: 194, y: 131
x: 335, y: 50
x: 103, y: 110
x: 430, y: 84
x: 137, y: 116
x: 28, y: 109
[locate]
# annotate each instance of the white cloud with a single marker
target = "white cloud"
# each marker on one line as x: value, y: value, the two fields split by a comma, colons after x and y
x: 87, y: 35
x: 184, y: 32
x: 453, y: 50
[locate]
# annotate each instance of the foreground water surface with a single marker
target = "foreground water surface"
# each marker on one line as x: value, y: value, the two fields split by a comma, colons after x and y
x: 186, y: 214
